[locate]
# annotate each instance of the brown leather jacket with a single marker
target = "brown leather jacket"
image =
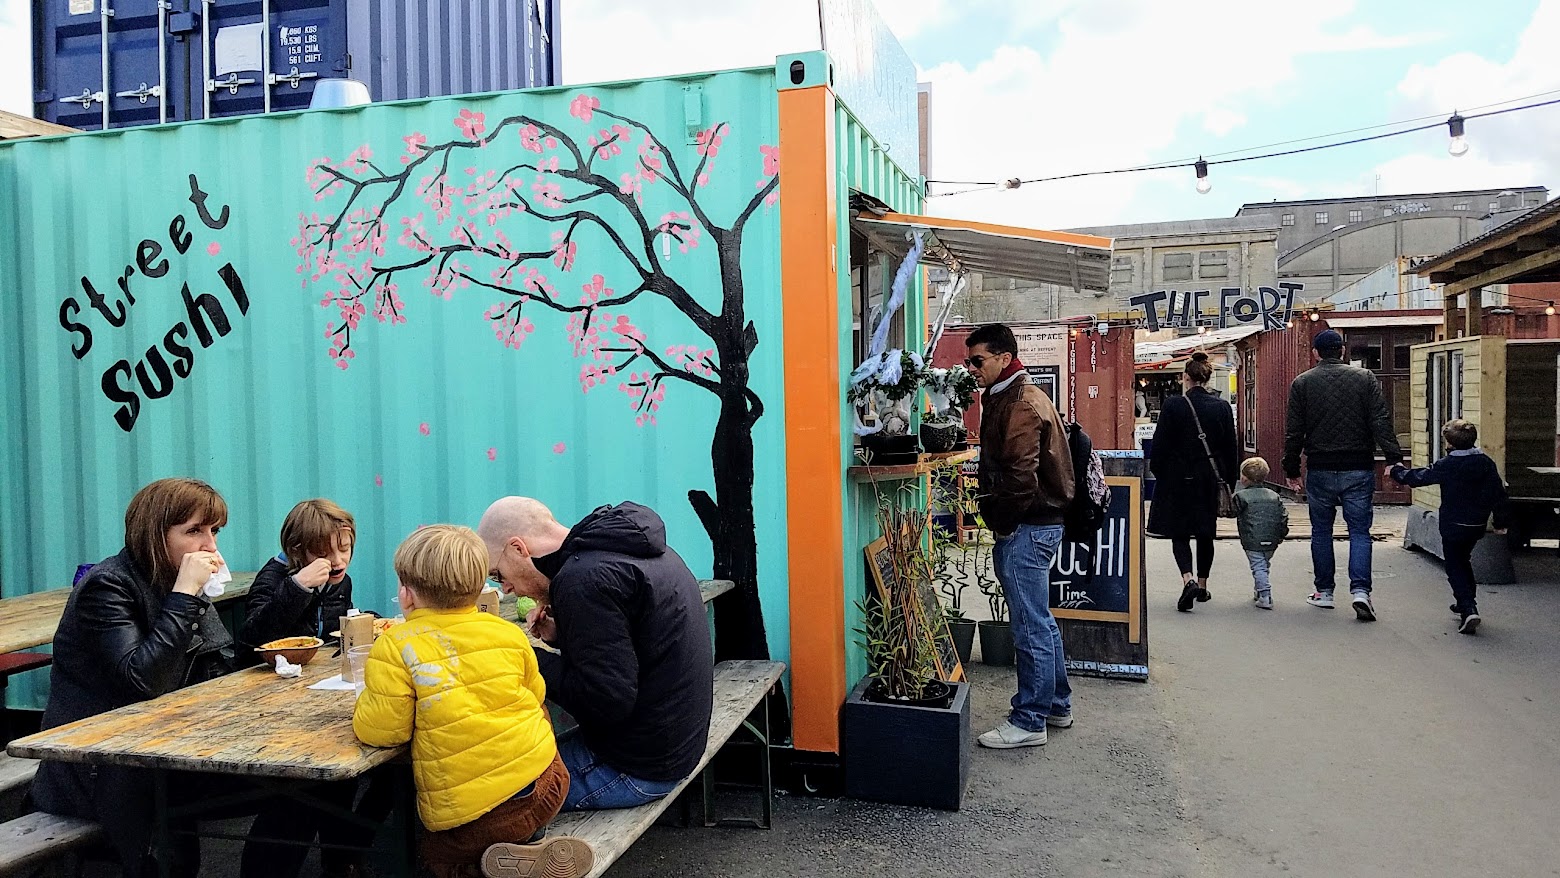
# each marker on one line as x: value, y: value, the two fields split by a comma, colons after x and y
x: 1026, y: 473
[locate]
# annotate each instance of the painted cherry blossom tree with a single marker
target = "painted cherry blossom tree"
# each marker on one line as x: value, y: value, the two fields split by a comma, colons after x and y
x: 503, y: 211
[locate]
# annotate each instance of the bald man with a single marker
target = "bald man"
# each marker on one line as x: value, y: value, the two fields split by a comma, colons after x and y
x: 634, y: 666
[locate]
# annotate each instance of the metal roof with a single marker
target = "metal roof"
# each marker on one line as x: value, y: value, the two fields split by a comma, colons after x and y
x: 1065, y: 258
x: 1383, y: 322
x: 1480, y: 254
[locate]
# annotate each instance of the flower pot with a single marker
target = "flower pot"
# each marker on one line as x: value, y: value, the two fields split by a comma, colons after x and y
x: 963, y: 631
x: 941, y: 438
x: 890, y: 450
x: 996, y: 643
x: 906, y: 755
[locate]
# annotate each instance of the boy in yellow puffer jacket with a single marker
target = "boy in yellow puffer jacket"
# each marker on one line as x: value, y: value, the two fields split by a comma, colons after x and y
x: 463, y: 687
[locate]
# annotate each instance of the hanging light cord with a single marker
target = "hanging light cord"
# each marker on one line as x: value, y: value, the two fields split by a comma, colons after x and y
x: 978, y: 187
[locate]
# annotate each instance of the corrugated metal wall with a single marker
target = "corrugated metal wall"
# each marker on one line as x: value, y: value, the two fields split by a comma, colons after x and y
x: 435, y: 417
x: 863, y: 166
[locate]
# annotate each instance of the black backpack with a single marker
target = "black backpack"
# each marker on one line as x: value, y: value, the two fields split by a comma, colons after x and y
x: 1086, y: 514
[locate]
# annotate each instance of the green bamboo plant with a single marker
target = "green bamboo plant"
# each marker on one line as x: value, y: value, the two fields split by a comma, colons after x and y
x: 897, y: 634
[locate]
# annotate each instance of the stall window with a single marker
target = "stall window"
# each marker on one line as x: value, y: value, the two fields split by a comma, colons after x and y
x: 1213, y: 263
x: 1321, y: 217
x: 1177, y: 266
x: 1366, y: 353
x: 1445, y: 397
x: 1402, y: 356
x: 872, y: 276
x: 1288, y: 219
x: 1356, y: 216
x: 1248, y: 402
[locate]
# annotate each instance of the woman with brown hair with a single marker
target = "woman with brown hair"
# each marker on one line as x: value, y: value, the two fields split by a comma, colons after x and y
x: 1193, y: 455
x: 135, y: 627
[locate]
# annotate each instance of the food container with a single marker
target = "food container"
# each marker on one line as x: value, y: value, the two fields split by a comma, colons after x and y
x: 297, y: 650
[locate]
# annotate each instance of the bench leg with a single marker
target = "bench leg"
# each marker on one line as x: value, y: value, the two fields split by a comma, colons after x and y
x: 760, y: 734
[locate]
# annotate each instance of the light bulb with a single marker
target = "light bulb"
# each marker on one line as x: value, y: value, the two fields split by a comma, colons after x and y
x: 1550, y: 311
x: 1459, y: 145
x: 1315, y: 316
x: 1204, y: 185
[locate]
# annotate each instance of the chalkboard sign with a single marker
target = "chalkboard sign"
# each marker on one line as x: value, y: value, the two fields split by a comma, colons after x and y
x: 928, y: 609
x: 1102, y: 581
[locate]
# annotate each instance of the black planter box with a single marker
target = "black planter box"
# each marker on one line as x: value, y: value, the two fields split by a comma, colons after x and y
x: 906, y: 755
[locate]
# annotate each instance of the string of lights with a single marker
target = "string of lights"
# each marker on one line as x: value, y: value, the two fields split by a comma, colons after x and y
x: 1455, y: 124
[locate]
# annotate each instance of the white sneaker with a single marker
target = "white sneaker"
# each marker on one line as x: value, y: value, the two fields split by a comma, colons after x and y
x: 1008, y: 736
x: 1323, y: 599
x: 1362, y: 607
x: 1264, y: 600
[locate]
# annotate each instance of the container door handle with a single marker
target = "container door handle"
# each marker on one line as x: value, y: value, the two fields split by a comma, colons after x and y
x: 293, y: 78
x: 231, y: 83
x: 86, y: 99
x: 143, y: 93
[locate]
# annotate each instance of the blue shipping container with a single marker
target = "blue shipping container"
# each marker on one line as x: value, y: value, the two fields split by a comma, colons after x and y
x: 121, y: 63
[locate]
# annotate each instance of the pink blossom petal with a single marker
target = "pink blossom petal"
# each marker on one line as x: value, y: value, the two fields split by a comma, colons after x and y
x: 423, y: 428
x: 213, y: 248
x: 492, y: 454
x: 559, y: 448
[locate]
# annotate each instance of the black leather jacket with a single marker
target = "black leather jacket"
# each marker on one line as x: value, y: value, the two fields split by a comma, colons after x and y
x: 122, y: 640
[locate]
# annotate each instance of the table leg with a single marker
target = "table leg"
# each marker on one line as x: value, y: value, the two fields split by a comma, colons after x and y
x: 162, y: 847
x: 406, y: 806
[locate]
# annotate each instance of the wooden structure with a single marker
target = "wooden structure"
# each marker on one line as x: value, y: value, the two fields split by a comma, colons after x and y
x: 1525, y: 250
x: 30, y: 620
x: 14, y: 127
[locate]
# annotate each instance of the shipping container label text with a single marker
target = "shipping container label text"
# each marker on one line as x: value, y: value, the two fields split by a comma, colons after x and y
x: 204, y: 313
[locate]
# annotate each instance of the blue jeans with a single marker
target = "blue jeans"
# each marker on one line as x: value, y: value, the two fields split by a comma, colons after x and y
x: 1324, y: 493
x: 1261, y: 564
x: 1023, y: 562
x: 597, y: 786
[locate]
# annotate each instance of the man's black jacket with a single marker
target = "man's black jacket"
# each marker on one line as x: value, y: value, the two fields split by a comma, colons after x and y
x: 636, y: 668
x: 1338, y: 417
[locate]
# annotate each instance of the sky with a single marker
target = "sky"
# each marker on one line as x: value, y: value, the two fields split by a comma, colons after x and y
x: 1035, y: 88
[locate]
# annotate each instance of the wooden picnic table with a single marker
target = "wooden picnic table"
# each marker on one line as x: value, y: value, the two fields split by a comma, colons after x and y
x: 250, y: 722
x: 30, y: 620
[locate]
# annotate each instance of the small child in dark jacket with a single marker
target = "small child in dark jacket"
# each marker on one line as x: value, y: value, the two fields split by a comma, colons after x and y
x: 1263, y: 523
x: 1471, y: 491
x: 305, y: 590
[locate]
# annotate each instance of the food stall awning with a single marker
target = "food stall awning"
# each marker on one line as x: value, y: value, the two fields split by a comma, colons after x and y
x: 1065, y: 258
x: 1151, y: 353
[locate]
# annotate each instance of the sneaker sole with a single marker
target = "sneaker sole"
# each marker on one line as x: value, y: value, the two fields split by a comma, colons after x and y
x: 1470, y: 625
x: 561, y: 857
x: 1003, y: 745
x: 1322, y: 606
x: 1059, y: 722
x: 1364, y: 612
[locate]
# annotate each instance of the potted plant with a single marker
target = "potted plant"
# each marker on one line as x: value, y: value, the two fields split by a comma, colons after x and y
x: 883, y: 391
x: 953, y: 562
x: 949, y: 392
x: 996, y: 634
x: 906, y: 732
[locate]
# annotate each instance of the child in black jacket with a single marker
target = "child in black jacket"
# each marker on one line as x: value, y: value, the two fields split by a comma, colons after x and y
x: 304, y: 590
x: 1471, y: 491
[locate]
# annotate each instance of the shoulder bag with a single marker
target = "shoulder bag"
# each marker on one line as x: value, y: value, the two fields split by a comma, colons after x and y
x: 1225, y: 498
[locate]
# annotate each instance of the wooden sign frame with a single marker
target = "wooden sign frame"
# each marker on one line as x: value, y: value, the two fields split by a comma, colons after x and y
x: 949, y: 668
x: 1133, y: 616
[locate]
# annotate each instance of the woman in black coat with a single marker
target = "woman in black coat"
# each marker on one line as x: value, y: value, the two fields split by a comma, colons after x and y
x: 135, y: 627
x: 1186, y: 487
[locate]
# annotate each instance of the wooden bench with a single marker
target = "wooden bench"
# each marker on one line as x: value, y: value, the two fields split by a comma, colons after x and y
x: 32, y: 840
x: 16, y: 772
x: 741, y: 690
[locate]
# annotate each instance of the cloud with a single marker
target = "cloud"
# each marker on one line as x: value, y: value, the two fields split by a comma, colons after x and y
x: 15, y: 59
x: 1116, y: 88
x: 1514, y: 149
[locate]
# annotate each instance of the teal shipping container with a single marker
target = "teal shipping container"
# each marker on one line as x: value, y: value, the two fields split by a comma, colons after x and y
x: 416, y: 308
x: 652, y: 291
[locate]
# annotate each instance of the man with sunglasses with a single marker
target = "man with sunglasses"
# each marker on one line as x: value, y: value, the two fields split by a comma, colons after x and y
x: 1026, y: 483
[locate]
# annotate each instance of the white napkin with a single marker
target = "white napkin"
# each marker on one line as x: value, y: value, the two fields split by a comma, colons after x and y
x: 216, y: 585
x: 285, y: 668
x: 334, y: 684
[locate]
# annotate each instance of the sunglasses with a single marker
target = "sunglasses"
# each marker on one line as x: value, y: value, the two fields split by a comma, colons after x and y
x: 978, y: 360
